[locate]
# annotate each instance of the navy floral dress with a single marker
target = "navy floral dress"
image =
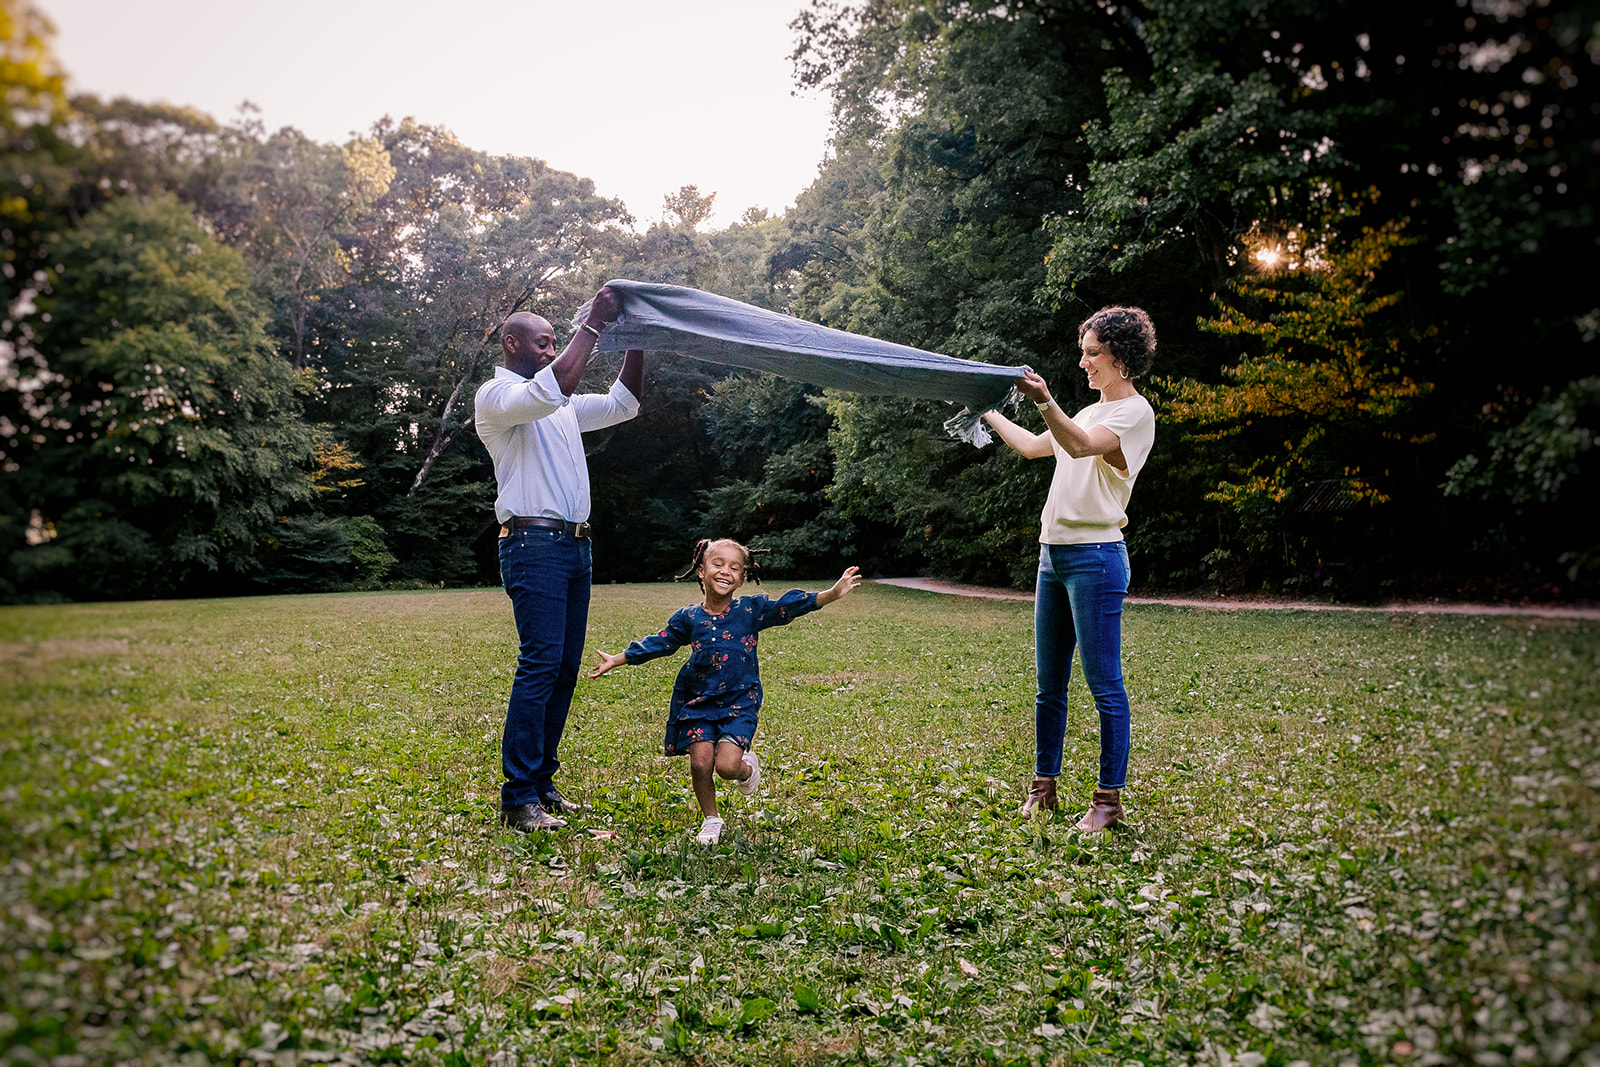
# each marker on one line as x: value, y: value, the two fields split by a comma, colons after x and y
x: 718, y: 691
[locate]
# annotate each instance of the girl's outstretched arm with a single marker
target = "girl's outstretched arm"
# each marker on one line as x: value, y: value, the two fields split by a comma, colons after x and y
x: 678, y: 632
x: 847, y: 581
x: 607, y: 662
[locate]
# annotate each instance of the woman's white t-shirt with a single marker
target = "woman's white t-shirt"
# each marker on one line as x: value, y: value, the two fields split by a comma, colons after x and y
x: 1088, y: 498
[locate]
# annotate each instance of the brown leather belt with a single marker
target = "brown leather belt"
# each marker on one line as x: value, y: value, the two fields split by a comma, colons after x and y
x: 580, y: 530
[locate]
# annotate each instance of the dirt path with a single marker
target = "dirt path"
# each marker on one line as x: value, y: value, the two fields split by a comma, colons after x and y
x: 1546, y: 611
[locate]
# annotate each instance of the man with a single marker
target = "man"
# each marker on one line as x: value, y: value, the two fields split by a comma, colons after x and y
x: 533, y: 425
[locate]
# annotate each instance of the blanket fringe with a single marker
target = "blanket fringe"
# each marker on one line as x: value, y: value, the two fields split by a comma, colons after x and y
x: 969, y: 426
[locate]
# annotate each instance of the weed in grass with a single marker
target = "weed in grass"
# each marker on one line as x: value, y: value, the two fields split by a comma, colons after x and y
x: 265, y: 829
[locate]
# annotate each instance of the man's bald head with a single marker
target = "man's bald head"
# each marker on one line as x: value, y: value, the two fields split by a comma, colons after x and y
x: 524, y: 325
x: 529, y: 343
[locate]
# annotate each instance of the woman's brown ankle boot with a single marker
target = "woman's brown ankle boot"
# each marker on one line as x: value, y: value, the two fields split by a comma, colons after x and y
x: 1041, y: 797
x: 1105, y: 811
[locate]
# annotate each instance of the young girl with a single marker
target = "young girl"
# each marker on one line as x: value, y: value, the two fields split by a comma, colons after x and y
x: 718, y: 691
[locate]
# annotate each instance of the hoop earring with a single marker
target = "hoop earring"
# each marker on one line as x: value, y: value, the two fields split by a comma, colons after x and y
x: 1124, y: 375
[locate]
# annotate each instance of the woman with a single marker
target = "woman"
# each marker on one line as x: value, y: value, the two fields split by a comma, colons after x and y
x: 1083, y: 562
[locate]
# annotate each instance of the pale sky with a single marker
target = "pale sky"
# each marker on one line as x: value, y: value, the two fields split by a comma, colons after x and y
x: 642, y: 96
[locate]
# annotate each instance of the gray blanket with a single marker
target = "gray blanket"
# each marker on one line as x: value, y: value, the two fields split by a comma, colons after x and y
x: 671, y: 318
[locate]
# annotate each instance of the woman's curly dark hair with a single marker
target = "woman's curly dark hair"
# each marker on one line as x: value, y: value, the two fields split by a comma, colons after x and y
x: 752, y: 569
x: 1128, y: 333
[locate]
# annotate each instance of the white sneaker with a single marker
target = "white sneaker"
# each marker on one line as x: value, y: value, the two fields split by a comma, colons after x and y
x: 710, y: 831
x: 749, y: 786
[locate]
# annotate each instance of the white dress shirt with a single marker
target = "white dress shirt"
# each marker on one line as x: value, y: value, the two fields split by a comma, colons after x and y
x: 534, y: 434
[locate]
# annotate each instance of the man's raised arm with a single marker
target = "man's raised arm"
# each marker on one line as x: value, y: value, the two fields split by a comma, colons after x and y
x: 632, y: 375
x: 574, y: 359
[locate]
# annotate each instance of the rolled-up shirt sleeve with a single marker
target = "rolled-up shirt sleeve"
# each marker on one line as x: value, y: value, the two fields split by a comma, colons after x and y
x: 512, y: 400
x: 534, y: 435
x: 595, y: 411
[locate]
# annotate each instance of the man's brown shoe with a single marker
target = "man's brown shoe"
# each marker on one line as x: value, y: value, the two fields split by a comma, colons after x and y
x: 525, y: 818
x: 1041, y: 797
x: 1105, y: 811
x: 556, y: 804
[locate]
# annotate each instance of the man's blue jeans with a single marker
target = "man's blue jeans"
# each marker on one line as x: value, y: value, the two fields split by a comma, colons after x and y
x: 1079, y: 604
x: 546, y: 574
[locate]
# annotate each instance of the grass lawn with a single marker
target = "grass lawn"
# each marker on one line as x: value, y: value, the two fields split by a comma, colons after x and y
x: 263, y: 831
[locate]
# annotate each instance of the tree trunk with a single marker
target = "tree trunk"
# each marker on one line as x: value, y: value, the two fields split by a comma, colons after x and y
x: 443, y: 438
x: 441, y: 444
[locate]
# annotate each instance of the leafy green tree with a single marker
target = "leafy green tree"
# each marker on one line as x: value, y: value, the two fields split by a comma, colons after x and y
x: 149, y: 430
x: 33, y: 170
x: 646, y: 474
x: 1148, y: 154
x: 1319, y: 415
x: 1534, y: 461
x: 995, y: 174
x: 459, y: 241
x: 1470, y: 120
x: 822, y: 260
x: 657, y: 478
x: 469, y: 240
x: 315, y: 553
x: 1197, y: 146
x: 1535, y: 483
x: 688, y: 207
x: 958, y: 133
x: 771, y: 438
x: 299, y: 204
x: 34, y: 86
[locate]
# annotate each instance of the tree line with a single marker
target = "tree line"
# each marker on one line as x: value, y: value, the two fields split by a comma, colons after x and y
x: 239, y: 360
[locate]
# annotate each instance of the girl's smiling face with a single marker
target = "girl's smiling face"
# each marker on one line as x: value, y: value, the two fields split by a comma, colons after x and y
x: 722, y: 572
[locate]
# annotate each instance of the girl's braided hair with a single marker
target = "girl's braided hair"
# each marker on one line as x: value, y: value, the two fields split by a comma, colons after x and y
x: 752, y: 569
x: 1129, y: 335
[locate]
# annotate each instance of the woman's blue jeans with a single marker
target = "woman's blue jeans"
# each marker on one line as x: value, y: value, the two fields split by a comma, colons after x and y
x: 546, y: 574
x: 1078, y: 603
